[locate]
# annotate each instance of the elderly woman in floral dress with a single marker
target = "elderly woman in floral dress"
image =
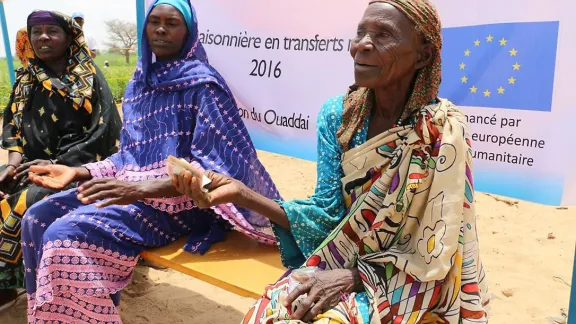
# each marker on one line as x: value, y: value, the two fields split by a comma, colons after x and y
x: 390, y: 233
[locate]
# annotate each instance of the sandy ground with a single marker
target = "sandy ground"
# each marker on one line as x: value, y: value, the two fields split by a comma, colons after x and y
x: 527, y: 250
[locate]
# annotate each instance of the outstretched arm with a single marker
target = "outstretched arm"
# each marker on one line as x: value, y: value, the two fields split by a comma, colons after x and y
x: 224, y: 189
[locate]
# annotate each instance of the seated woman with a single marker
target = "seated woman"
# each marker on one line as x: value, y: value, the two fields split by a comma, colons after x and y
x: 391, y: 229
x: 61, y: 111
x: 80, y: 247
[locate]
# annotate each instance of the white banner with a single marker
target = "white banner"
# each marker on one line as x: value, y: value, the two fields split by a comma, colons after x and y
x: 501, y: 64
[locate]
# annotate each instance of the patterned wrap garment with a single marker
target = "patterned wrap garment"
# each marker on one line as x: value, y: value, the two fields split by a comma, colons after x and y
x: 399, y: 207
x: 70, y: 120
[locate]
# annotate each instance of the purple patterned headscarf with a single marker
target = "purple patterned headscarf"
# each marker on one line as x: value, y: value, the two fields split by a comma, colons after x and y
x: 41, y: 17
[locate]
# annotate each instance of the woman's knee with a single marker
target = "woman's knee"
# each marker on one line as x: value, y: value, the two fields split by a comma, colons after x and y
x: 38, y: 217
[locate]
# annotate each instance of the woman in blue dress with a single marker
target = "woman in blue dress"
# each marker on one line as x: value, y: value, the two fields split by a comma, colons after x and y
x: 80, y: 246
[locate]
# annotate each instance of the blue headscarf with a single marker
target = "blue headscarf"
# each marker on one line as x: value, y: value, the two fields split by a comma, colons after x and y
x: 192, y: 63
x: 183, y: 7
x: 184, y: 108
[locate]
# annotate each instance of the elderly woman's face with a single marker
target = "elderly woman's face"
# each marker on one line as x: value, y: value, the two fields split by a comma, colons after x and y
x: 166, y: 31
x: 386, y: 47
x: 49, y: 42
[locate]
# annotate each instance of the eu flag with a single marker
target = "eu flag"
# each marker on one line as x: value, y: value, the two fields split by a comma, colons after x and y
x: 507, y: 65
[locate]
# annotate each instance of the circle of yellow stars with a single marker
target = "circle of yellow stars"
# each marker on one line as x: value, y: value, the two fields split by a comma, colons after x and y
x: 515, y: 67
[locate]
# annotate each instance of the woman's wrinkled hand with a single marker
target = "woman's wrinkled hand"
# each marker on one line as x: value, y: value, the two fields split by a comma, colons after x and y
x: 112, y: 191
x: 24, y: 168
x: 221, y: 190
x: 324, y: 290
x: 54, y: 176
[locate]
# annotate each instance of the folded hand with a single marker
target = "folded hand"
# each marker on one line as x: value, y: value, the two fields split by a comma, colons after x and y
x: 324, y: 290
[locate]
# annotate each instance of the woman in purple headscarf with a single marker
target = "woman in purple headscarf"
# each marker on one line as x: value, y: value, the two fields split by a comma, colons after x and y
x: 81, y: 246
x: 60, y: 111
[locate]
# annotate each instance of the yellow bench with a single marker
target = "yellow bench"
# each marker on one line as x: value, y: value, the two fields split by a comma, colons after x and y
x: 239, y: 264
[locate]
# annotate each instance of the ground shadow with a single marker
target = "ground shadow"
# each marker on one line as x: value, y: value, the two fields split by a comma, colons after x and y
x: 177, y: 299
x: 172, y: 299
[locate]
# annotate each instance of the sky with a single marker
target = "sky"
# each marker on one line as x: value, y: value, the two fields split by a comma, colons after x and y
x: 95, y: 13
